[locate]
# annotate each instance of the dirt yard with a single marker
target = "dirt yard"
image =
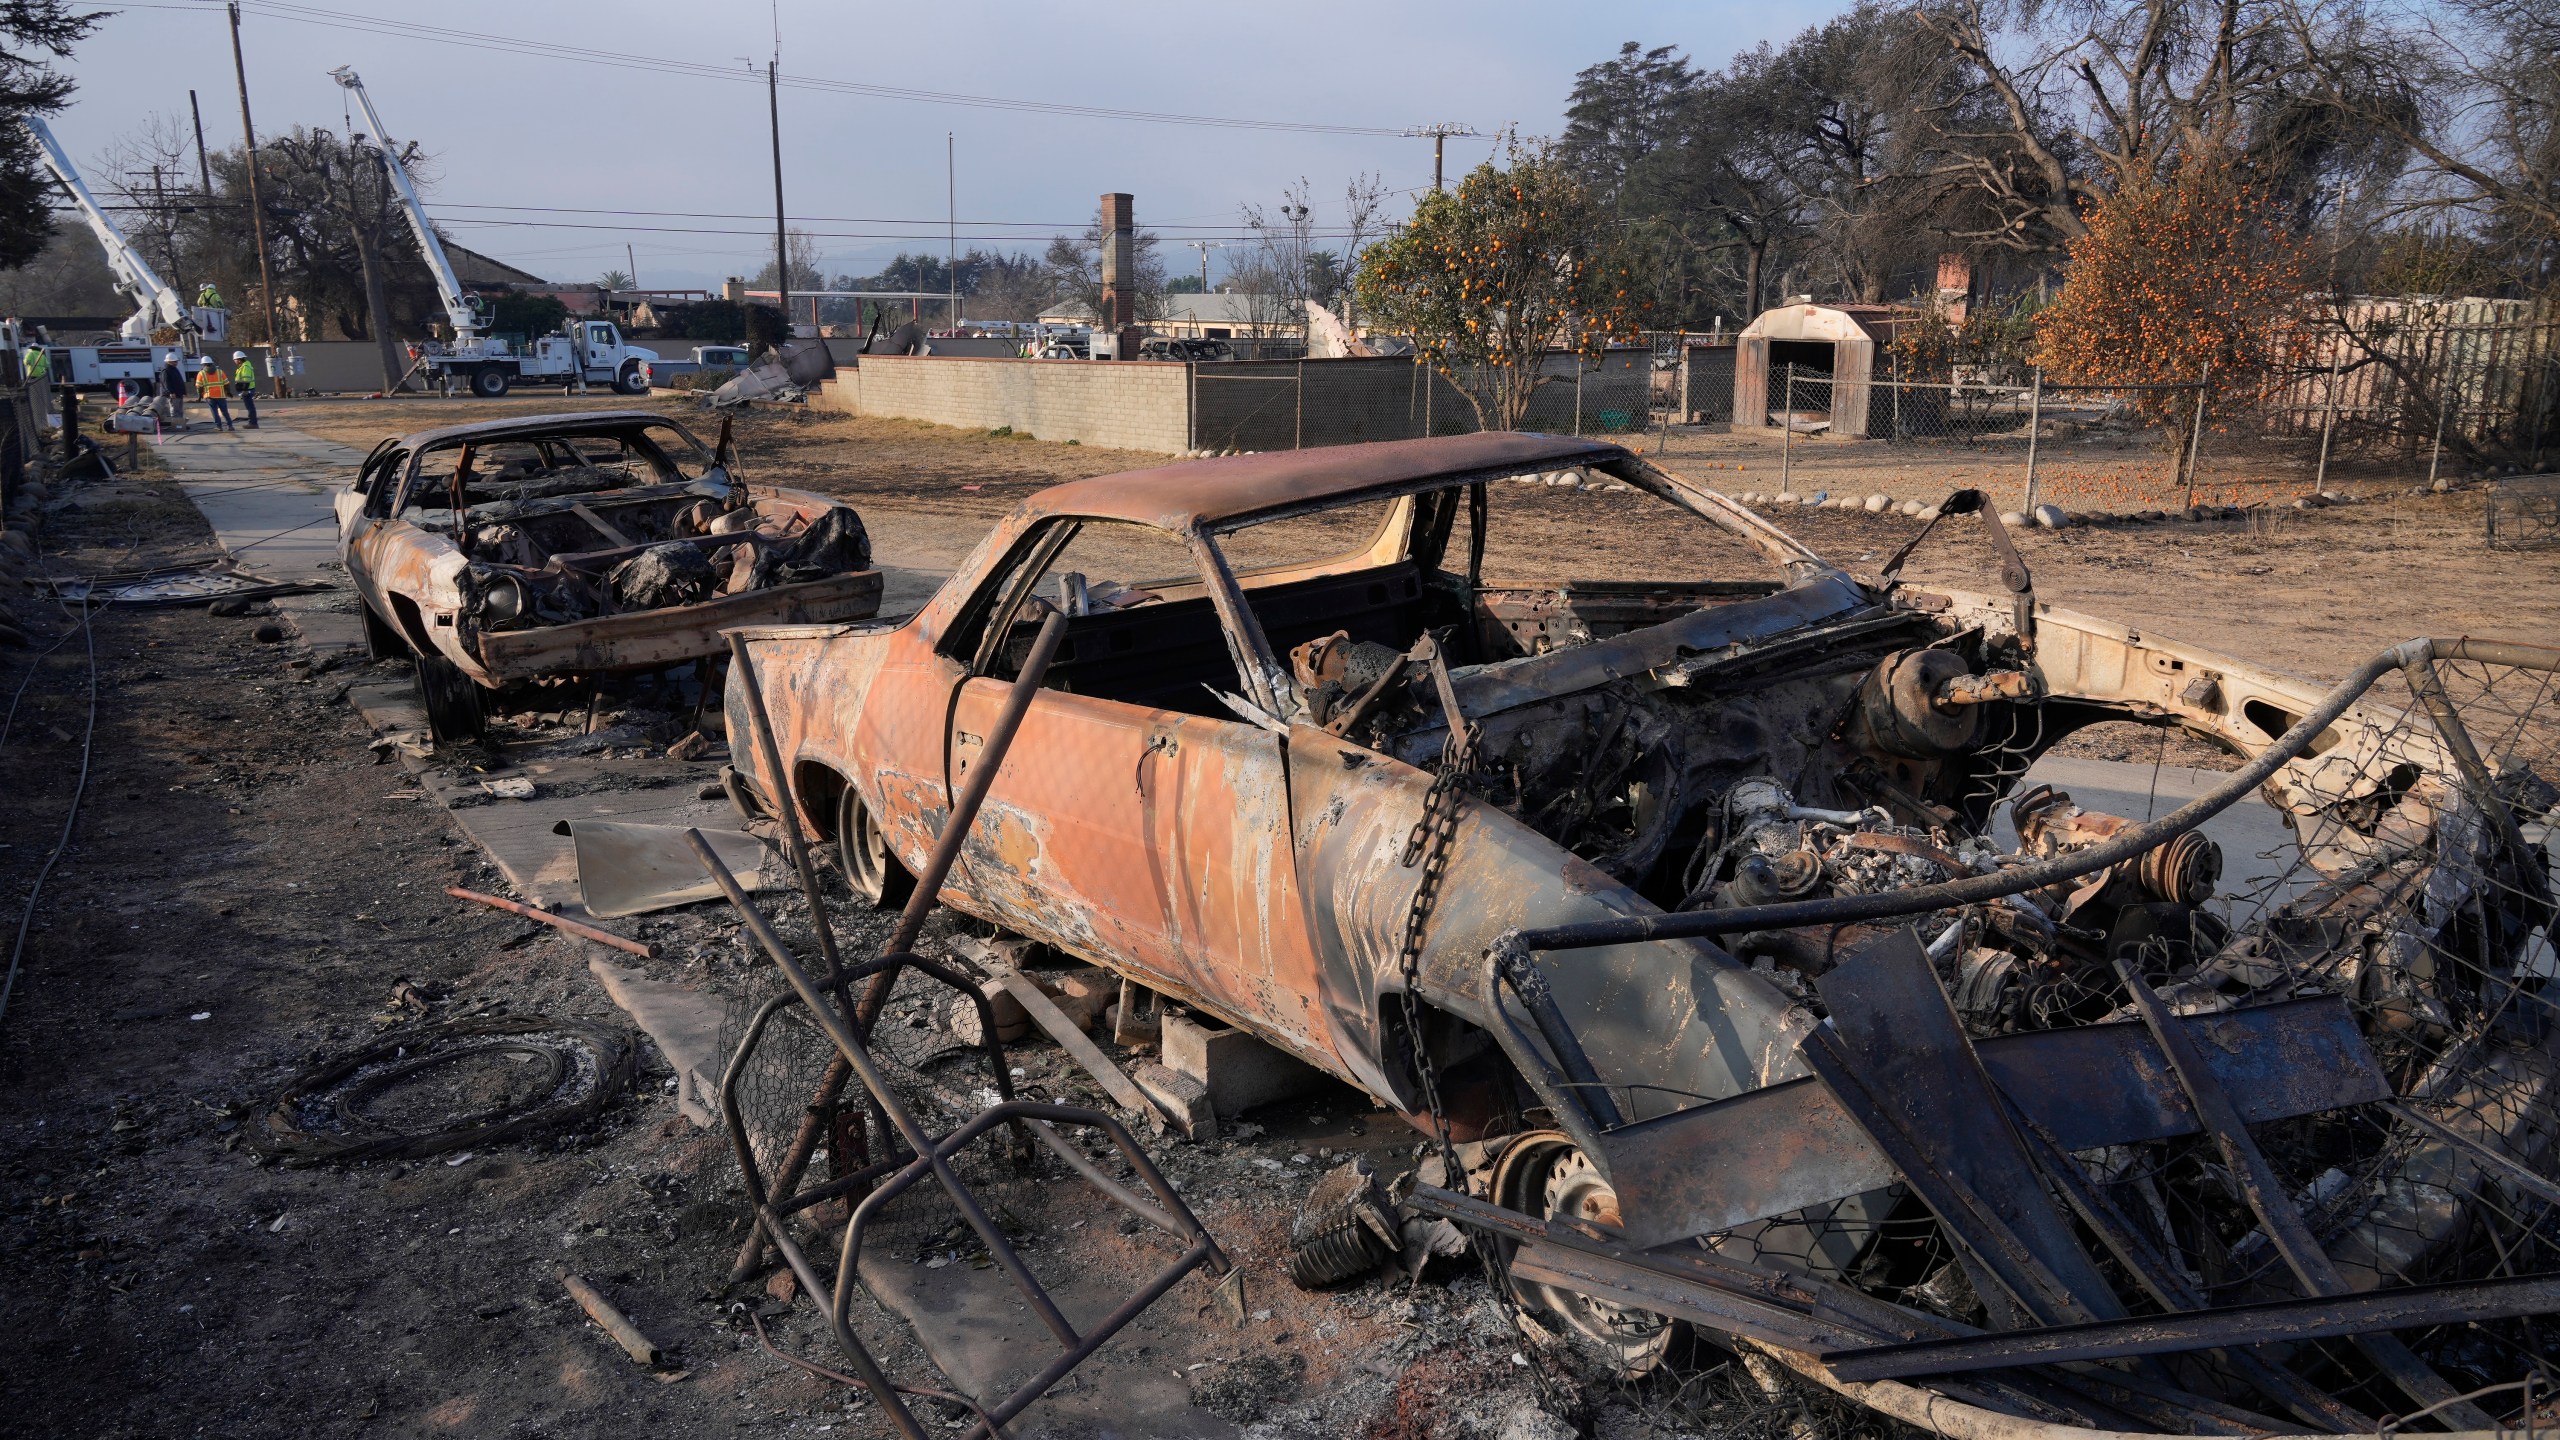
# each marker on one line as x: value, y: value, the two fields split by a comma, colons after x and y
x: 249, y: 888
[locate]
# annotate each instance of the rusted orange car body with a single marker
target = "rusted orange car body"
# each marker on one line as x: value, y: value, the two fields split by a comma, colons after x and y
x: 1246, y: 863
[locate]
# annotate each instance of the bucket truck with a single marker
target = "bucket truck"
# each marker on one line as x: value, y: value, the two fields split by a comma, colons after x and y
x: 584, y: 352
x: 158, y: 306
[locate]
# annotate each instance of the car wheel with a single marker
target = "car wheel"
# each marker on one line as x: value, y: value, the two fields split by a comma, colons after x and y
x: 631, y: 381
x: 1543, y: 1173
x: 874, y: 873
x: 382, y: 641
x: 452, y: 701
x: 489, y: 382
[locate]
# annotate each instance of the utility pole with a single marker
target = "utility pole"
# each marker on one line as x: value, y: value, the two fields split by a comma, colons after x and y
x: 1204, y: 247
x: 951, y: 212
x: 204, y: 172
x: 1439, y: 135
x: 781, y: 244
x: 633, y: 261
x: 257, y: 211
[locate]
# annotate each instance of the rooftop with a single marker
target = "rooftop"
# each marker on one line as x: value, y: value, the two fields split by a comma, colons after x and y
x: 1222, y: 309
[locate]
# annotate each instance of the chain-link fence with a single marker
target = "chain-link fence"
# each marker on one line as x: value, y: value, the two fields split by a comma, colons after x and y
x: 1303, y: 404
x: 2075, y: 446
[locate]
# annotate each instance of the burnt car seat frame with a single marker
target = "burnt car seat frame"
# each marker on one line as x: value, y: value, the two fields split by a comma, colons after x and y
x: 828, y: 1000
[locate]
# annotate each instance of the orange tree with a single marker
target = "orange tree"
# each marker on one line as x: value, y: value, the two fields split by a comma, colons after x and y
x: 2193, y: 268
x: 1492, y: 276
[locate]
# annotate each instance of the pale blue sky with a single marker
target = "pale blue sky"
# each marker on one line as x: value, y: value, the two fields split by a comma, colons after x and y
x: 507, y: 128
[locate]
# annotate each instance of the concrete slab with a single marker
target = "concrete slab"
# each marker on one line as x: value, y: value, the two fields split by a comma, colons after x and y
x: 975, y: 1327
x: 685, y: 1025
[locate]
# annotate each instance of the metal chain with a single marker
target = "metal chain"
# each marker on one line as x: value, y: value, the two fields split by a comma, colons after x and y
x: 1428, y: 846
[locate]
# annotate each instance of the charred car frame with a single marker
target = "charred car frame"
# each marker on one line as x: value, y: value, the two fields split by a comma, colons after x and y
x: 555, y: 546
x: 1707, y: 925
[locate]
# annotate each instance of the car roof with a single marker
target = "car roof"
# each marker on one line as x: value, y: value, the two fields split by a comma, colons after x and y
x: 1208, y: 492
x: 580, y: 422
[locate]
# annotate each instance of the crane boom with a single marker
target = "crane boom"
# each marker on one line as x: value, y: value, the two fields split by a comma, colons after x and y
x: 457, y: 307
x: 156, y: 303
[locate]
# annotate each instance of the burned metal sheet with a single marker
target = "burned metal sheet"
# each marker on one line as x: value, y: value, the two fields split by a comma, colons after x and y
x: 1788, y: 1146
x: 179, y: 585
x: 1895, y: 1055
x: 626, y: 869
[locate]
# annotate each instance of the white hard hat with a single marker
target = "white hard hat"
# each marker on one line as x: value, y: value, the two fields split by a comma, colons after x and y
x: 239, y: 354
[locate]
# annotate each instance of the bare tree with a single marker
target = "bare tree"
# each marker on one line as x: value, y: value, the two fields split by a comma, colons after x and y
x: 2471, y: 92
x: 2070, y: 101
x: 149, y: 174
x: 347, y: 180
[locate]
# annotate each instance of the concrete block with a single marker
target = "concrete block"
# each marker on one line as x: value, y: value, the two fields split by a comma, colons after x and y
x: 1239, y: 1071
x: 1182, y: 1098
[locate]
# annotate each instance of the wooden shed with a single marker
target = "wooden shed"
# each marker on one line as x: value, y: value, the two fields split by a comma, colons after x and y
x: 1833, y: 349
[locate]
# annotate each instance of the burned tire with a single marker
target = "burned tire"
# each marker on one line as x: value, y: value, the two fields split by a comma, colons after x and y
x: 548, y: 1075
x: 382, y: 640
x: 630, y: 381
x: 489, y: 382
x: 452, y: 701
x: 869, y: 868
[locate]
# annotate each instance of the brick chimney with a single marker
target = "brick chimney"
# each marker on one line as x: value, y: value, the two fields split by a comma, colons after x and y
x: 1119, y: 265
x: 1955, y: 286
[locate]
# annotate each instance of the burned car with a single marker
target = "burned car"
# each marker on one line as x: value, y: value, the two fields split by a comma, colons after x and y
x: 1707, y: 925
x: 579, y: 545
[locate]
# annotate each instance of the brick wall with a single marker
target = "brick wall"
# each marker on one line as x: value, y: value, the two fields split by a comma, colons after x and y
x: 1129, y: 405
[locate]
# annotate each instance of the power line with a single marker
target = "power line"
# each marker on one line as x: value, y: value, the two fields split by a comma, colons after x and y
x: 488, y: 222
x: 1171, y: 231
x: 549, y: 50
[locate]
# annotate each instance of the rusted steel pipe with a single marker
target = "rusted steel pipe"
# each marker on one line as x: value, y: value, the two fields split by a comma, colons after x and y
x: 2018, y: 880
x: 2320, y: 1317
x: 584, y: 932
x: 744, y: 668
x: 616, y: 1324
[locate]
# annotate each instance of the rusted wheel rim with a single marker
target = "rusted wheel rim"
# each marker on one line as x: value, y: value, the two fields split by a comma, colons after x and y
x: 1543, y: 1173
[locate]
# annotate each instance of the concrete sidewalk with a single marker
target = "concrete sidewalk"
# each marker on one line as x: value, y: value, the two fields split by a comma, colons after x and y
x: 267, y: 493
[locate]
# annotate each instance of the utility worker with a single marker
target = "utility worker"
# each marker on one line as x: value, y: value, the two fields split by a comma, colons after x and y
x: 215, y: 390
x: 173, y: 390
x: 244, y: 378
x: 35, y: 364
x: 208, y: 297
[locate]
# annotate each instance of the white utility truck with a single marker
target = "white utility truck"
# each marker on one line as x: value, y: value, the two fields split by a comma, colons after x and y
x: 158, y: 307
x: 584, y: 352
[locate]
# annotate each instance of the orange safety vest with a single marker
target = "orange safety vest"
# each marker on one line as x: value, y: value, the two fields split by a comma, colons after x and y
x: 211, y: 386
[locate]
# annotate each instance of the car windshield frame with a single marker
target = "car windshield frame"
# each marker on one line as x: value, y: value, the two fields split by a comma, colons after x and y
x: 641, y: 436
